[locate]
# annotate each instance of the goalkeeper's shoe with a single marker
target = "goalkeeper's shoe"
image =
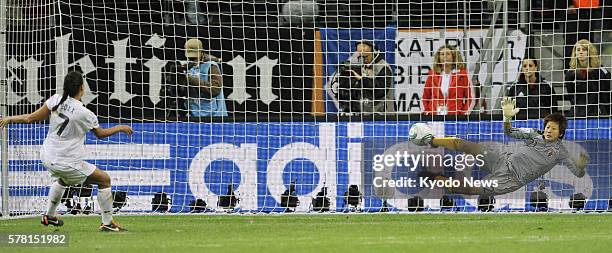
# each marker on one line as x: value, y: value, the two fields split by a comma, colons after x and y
x: 51, y: 220
x: 112, y: 227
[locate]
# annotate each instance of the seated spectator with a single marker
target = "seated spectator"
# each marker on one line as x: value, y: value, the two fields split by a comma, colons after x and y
x: 587, y: 82
x: 447, y: 88
x: 584, y: 21
x: 533, y: 94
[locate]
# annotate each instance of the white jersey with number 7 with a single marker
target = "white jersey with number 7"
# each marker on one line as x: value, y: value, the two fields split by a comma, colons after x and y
x: 68, y: 126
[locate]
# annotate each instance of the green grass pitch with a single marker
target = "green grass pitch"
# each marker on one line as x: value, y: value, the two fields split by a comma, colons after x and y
x: 332, y: 233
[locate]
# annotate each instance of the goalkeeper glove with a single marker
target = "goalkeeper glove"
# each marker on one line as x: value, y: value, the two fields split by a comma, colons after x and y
x: 582, y: 161
x: 508, y: 107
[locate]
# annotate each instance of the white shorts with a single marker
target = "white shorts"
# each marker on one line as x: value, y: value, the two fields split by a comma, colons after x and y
x: 71, y: 174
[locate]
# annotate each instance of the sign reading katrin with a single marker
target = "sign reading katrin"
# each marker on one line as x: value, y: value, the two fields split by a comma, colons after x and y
x: 415, y: 54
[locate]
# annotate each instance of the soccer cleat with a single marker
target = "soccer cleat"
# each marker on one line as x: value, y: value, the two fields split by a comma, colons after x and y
x: 49, y: 220
x: 112, y: 227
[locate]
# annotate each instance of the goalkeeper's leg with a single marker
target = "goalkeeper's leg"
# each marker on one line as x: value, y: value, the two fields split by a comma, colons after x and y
x: 501, y: 181
x: 457, y: 144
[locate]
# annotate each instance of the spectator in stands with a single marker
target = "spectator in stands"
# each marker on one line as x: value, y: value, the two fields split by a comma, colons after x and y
x: 533, y: 94
x: 364, y: 82
x: 203, y: 74
x: 583, y: 21
x: 447, y: 88
x: 187, y: 12
x: 587, y: 82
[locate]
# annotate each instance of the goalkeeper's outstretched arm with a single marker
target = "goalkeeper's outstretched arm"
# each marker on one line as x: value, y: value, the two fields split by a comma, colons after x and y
x: 508, y: 109
x: 577, y: 165
x: 508, y: 106
x: 507, y: 127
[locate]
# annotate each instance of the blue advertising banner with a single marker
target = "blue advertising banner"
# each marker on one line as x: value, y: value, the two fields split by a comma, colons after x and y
x: 260, y: 160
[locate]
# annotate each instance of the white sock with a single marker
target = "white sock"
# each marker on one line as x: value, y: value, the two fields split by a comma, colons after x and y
x: 105, y: 199
x: 55, y: 196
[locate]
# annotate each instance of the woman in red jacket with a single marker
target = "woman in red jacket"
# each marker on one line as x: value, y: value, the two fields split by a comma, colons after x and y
x: 447, y: 89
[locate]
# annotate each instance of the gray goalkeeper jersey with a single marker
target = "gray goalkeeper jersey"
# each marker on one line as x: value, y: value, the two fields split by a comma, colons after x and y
x: 537, y: 156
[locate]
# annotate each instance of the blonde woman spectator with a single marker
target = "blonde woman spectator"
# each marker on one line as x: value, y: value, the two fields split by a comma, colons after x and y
x: 587, y: 82
x: 447, y: 89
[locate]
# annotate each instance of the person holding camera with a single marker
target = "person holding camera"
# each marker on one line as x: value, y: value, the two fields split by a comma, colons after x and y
x: 364, y: 83
x: 447, y: 88
x: 205, y: 93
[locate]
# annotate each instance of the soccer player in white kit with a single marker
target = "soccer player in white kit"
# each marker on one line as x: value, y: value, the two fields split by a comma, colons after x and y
x: 63, y: 151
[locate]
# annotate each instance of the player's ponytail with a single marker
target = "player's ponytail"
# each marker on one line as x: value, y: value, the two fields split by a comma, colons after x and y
x: 72, y: 85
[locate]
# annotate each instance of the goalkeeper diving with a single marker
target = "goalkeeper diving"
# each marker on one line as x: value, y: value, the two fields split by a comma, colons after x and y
x: 513, y: 169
